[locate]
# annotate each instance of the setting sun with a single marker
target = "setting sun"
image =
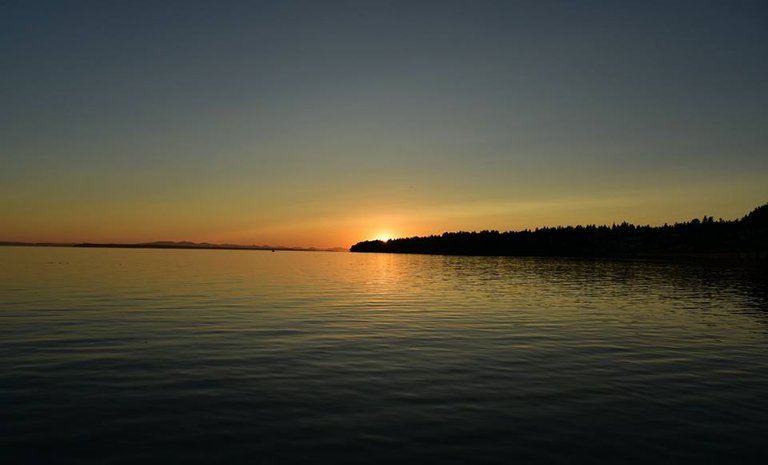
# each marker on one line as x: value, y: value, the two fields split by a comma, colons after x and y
x: 383, y: 236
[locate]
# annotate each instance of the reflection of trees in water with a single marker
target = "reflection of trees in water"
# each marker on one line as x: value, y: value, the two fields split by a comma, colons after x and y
x: 706, y: 281
x: 754, y: 283
x: 745, y: 282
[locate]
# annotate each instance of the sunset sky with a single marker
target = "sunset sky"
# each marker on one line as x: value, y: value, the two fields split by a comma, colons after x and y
x: 325, y: 123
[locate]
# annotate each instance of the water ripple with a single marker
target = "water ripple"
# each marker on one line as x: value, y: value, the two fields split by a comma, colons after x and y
x: 126, y: 356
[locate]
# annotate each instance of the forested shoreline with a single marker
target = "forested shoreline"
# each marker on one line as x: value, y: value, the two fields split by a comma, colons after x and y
x: 743, y: 238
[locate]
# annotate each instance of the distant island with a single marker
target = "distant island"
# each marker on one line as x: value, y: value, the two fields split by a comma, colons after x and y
x: 175, y: 245
x: 743, y: 238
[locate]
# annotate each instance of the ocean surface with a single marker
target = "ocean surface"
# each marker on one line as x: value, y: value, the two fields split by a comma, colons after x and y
x: 112, y: 356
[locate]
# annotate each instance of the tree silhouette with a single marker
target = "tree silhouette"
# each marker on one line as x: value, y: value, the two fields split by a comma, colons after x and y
x: 747, y: 237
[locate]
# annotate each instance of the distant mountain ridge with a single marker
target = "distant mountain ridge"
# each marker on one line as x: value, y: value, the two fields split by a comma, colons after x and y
x: 207, y: 245
x: 743, y: 238
x: 175, y: 245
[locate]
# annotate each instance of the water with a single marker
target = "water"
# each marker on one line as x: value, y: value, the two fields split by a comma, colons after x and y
x: 181, y: 356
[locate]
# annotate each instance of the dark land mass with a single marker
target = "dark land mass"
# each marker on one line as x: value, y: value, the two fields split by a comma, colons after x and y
x: 176, y: 245
x: 35, y: 244
x: 743, y: 238
x: 204, y: 245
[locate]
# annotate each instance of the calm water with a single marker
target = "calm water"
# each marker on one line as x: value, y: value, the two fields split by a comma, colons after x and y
x: 122, y: 356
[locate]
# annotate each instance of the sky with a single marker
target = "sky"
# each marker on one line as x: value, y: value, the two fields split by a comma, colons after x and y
x: 320, y: 123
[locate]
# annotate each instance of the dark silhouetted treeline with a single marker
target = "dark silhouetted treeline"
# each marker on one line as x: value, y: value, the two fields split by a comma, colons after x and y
x: 746, y: 237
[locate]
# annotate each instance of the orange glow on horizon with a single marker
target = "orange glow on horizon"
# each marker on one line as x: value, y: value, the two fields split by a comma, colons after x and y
x: 383, y: 236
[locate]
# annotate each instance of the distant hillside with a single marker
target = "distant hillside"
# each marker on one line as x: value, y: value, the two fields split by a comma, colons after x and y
x: 203, y: 245
x: 746, y: 237
x: 34, y: 244
x: 172, y: 245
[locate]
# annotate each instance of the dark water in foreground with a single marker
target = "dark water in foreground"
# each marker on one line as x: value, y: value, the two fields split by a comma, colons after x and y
x: 122, y: 356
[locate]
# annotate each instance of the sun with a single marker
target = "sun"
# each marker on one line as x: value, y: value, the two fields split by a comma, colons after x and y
x: 383, y: 236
